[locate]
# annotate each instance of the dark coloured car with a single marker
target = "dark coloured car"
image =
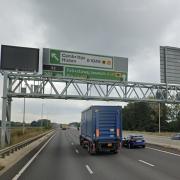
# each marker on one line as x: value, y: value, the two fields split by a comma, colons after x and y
x: 133, y: 141
x: 176, y: 137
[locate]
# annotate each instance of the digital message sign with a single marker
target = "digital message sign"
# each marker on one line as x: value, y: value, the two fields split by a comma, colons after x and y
x: 14, y: 58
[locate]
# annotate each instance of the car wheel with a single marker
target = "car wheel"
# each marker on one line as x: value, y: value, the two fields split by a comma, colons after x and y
x: 143, y: 146
x: 115, y: 151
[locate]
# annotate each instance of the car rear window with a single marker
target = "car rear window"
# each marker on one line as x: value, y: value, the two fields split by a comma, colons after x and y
x: 138, y: 137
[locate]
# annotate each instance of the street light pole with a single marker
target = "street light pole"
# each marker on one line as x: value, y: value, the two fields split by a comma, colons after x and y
x: 42, y: 111
x: 159, y: 118
x: 24, y: 111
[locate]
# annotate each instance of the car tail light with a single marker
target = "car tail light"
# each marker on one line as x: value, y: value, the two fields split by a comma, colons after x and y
x: 118, y: 132
x: 97, y: 133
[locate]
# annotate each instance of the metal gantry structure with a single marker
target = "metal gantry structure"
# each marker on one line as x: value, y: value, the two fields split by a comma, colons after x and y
x: 38, y: 86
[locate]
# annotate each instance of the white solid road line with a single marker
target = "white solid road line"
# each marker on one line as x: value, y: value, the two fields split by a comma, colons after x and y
x: 89, y: 169
x: 146, y: 163
x: 163, y: 151
x: 31, y: 160
x: 77, y: 151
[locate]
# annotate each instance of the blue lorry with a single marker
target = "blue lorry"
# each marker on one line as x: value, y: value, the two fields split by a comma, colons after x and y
x: 101, y: 129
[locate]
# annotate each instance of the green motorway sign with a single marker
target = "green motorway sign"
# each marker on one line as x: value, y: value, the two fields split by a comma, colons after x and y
x: 94, y: 74
x: 86, y: 73
x: 60, y: 63
x: 49, y: 73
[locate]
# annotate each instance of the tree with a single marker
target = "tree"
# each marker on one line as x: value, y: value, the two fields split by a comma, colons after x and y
x: 174, y: 117
x: 144, y: 116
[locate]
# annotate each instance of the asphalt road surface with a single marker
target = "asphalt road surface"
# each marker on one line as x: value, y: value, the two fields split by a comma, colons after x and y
x: 63, y: 158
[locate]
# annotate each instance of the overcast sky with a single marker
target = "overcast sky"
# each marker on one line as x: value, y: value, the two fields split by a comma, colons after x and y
x: 129, y: 28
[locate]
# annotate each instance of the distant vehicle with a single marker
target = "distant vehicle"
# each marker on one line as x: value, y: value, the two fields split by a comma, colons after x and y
x: 133, y: 141
x: 64, y: 126
x: 176, y: 137
x: 101, y: 129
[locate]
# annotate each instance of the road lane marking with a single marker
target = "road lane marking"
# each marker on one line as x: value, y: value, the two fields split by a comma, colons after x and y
x: 146, y: 163
x: 76, y: 150
x: 16, y: 177
x: 72, y: 143
x: 89, y: 169
x: 163, y: 151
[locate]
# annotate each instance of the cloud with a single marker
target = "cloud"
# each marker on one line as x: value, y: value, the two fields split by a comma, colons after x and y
x: 19, y: 25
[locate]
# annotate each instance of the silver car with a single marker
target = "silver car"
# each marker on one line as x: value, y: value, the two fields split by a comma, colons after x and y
x: 176, y: 137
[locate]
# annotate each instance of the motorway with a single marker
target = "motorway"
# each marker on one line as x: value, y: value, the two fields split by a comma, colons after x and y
x: 63, y: 158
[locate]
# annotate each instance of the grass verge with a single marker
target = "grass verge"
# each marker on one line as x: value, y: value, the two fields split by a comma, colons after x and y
x: 168, y: 134
x: 18, y: 136
x: 1, y: 167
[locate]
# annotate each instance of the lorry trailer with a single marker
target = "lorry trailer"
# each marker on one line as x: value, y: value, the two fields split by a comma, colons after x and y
x: 101, y: 129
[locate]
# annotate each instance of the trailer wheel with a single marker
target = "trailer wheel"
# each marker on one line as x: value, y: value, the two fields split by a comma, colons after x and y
x: 83, y: 145
x: 80, y: 140
x: 90, y: 148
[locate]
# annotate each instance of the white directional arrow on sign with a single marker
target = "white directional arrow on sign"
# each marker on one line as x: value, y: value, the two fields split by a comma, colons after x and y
x: 54, y: 56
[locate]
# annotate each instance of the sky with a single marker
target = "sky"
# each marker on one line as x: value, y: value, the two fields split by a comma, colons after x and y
x: 127, y: 28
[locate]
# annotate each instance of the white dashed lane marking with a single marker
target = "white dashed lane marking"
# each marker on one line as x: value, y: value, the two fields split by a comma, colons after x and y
x: 146, y: 163
x: 174, y: 154
x: 76, y: 150
x: 89, y: 169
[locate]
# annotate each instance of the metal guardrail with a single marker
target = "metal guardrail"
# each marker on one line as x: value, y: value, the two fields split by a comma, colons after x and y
x: 15, y: 147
